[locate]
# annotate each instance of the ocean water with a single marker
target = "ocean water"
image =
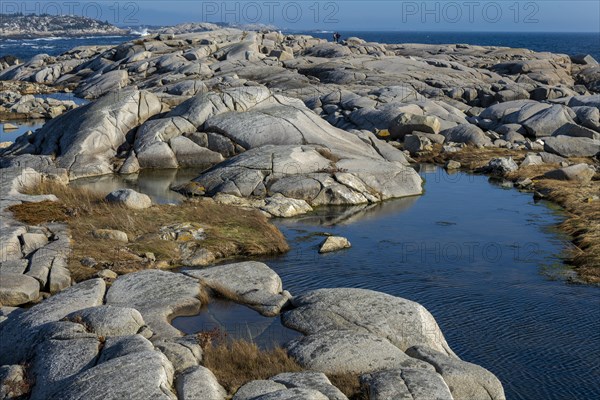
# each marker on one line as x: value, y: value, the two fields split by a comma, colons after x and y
x: 566, y: 43
x: 24, y: 49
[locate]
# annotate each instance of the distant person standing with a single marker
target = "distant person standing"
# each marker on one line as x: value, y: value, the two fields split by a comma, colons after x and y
x: 336, y: 37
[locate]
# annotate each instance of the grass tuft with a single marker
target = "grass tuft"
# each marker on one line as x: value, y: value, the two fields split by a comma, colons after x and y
x: 238, y: 362
x: 230, y: 231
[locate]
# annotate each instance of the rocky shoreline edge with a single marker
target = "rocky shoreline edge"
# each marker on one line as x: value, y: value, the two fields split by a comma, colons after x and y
x: 289, y: 123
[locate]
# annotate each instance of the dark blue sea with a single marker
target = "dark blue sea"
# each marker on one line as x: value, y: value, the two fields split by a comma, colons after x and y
x: 24, y: 49
x: 566, y: 43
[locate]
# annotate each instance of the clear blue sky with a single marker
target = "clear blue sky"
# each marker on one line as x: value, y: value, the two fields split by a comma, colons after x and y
x: 394, y: 15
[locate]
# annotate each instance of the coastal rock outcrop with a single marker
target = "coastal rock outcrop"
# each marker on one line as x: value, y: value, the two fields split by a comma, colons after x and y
x: 250, y: 283
x: 19, y: 335
x: 401, y: 322
x: 86, y: 140
x: 158, y: 296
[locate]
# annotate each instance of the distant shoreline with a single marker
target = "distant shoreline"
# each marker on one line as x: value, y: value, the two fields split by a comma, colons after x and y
x: 62, y: 34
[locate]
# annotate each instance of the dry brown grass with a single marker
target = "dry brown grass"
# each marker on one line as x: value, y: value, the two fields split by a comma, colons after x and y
x: 470, y: 157
x: 238, y: 362
x: 230, y: 231
x: 582, y: 223
x: 350, y: 385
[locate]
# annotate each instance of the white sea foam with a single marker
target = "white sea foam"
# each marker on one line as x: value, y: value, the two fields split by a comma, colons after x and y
x: 143, y: 32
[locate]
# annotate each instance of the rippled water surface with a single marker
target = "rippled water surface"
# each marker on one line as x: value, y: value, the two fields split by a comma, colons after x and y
x: 237, y: 322
x: 10, y: 135
x: 477, y: 257
x: 155, y: 183
x: 481, y: 258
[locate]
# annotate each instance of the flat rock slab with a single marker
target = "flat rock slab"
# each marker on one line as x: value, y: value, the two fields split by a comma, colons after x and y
x: 159, y: 296
x: 199, y: 383
x: 17, y: 289
x: 334, y: 243
x: 567, y: 146
x: 465, y: 380
x: 59, y: 358
x: 119, y: 346
x: 32, y: 241
x: 403, y: 322
x: 18, y: 335
x: 406, y: 384
x: 293, y: 394
x: 466, y: 133
x: 129, y: 198
x: 14, y: 266
x: 254, y: 389
x: 183, y: 353
x: 145, y: 375
x: 310, y: 380
x: 341, y: 352
x: 251, y: 283
x: 110, y: 320
x: 580, y: 173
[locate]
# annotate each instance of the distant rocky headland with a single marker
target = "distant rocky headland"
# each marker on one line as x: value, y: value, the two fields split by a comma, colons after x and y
x: 30, y: 25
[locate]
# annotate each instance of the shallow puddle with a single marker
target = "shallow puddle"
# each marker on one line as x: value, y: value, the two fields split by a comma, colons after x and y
x: 237, y: 322
x: 10, y: 135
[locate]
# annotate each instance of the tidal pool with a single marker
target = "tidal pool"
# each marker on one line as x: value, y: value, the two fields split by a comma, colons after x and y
x: 486, y: 261
x: 10, y: 135
x: 154, y: 183
x: 237, y: 322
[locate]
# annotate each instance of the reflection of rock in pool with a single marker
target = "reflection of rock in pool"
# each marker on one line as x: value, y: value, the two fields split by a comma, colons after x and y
x: 238, y: 322
x: 9, y: 132
x: 154, y: 183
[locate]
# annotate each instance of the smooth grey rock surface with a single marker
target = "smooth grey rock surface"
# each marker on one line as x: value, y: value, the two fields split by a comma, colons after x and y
x: 406, y: 384
x: 159, y: 296
x: 253, y: 389
x: 250, y: 283
x: 85, y: 139
x: 18, y: 289
x: 59, y: 357
x: 465, y: 380
x: 129, y: 198
x: 567, y: 146
x: 293, y: 394
x: 580, y: 173
x: 403, y: 322
x: 18, y: 335
x: 109, y: 320
x: 469, y: 134
x: 342, y: 351
x: 119, y: 346
x: 199, y: 383
x: 310, y: 380
x: 183, y: 352
x: 334, y: 243
x: 145, y: 375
